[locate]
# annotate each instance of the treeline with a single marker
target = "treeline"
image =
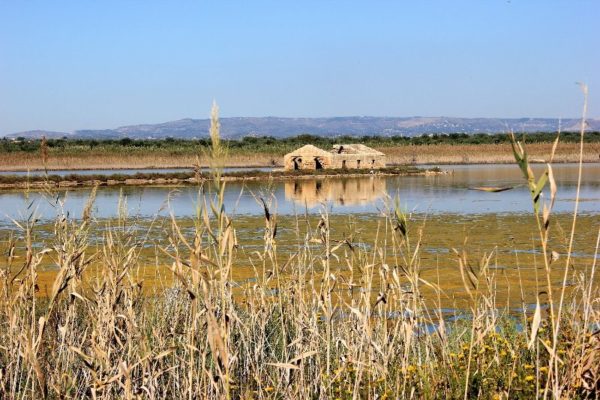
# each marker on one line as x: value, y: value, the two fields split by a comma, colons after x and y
x: 276, y: 145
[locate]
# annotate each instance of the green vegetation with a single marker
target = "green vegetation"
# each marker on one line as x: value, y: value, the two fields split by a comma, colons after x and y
x: 270, y: 144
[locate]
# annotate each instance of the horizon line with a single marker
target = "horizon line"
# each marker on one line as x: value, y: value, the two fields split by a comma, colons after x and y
x: 284, y: 117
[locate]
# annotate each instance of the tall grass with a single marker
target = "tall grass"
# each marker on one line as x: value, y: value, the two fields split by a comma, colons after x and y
x: 139, y: 157
x: 299, y: 329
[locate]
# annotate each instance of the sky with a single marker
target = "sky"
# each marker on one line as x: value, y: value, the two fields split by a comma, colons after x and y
x: 67, y: 65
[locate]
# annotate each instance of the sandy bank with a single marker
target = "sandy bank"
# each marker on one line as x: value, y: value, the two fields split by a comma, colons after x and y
x: 24, y: 182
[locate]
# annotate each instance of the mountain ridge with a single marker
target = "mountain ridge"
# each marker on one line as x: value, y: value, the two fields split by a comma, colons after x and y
x: 237, y: 127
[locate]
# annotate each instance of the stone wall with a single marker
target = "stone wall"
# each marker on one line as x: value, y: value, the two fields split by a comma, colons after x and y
x: 307, y: 161
x: 315, y: 158
x: 358, y: 161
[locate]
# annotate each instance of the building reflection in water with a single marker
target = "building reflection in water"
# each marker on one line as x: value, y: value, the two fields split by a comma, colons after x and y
x: 340, y: 191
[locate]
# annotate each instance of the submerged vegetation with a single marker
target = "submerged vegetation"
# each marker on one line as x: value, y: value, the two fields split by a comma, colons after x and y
x: 299, y: 329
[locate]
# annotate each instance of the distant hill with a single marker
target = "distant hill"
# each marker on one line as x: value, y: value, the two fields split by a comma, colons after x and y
x: 336, y: 126
x: 38, y: 134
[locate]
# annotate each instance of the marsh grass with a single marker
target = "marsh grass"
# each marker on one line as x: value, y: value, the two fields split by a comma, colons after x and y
x: 241, y: 157
x: 292, y: 333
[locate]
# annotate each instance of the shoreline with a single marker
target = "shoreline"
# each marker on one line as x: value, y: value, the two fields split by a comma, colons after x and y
x: 278, y: 168
x: 167, y: 179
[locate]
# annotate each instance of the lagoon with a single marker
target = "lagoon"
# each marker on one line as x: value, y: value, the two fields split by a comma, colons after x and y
x: 451, y: 193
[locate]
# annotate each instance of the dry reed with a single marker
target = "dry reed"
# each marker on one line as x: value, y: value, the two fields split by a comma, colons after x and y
x: 298, y: 330
x: 413, y: 154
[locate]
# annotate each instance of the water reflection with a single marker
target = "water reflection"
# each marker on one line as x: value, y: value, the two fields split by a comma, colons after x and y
x: 341, y: 191
x: 422, y: 194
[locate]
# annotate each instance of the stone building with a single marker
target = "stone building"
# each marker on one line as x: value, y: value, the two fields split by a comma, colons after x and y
x: 308, y: 157
x: 342, y: 156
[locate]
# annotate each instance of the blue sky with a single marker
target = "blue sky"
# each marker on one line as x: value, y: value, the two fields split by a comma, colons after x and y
x: 83, y: 64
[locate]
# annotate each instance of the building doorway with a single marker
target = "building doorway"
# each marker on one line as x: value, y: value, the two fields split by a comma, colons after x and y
x: 318, y: 164
x: 357, y: 163
x: 343, y: 164
x: 297, y: 163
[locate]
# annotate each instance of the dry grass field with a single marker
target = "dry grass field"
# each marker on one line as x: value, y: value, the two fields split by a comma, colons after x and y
x: 414, y: 154
x: 25, y: 161
x: 487, y: 153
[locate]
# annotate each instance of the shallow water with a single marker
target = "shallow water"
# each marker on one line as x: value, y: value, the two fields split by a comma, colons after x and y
x: 510, y: 240
x: 420, y: 194
x: 449, y: 215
